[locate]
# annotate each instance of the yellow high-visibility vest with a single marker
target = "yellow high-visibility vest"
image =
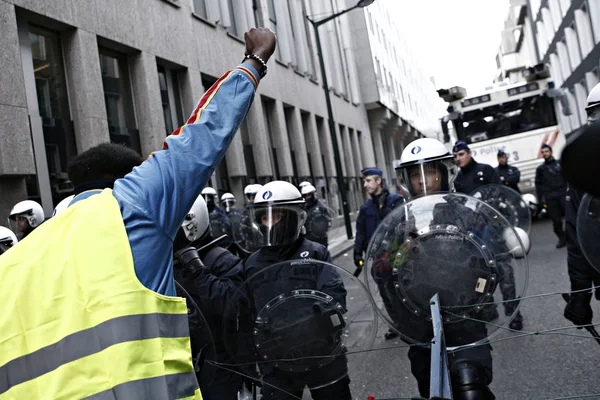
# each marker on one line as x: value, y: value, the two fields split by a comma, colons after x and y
x: 77, y: 323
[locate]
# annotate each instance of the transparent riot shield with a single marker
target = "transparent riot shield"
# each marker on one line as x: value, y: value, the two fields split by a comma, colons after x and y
x: 508, y: 202
x: 302, y: 322
x: 588, y: 229
x: 458, y: 247
x: 244, y: 231
x: 318, y: 223
x: 203, y: 346
x: 221, y: 225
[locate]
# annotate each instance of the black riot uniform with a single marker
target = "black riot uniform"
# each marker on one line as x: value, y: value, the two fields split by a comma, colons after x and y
x: 318, y: 222
x: 293, y: 383
x: 474, y: 175
x: 212, y: 277
x: 552, y: 189
x: 471, y: 367
x: 511, y: 176
x: 581, y: 273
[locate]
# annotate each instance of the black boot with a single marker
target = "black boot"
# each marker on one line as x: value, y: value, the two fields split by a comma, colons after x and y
x: 489, y: 312
x: 391, y: 334
x: 517, y: 322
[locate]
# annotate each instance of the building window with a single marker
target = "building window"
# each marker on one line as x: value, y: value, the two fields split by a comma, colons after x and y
x: 200, y: 8
x: 170, y: 98
x: 119, y: 99
x: 273, y: 25
x: 53, y: 104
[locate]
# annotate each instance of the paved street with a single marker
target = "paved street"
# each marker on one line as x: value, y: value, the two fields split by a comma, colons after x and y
x: 533, y: 367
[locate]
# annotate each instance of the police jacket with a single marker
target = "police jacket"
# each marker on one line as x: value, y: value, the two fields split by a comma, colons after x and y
x: 549, y: 182
x: 581, y: 273
x: 511, y: 176
x: 317, y: 222
x: 371, y: 213
x: 474, y: 175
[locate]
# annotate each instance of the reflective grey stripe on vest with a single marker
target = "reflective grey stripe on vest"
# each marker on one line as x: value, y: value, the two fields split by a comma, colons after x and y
x: 174, y: 386
x: 90, y: 341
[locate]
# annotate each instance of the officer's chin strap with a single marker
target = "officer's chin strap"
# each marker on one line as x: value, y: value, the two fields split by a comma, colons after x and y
x: 439, y: 386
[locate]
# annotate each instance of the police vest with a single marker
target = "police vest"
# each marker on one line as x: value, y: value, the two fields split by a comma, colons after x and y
x: 77, y: 322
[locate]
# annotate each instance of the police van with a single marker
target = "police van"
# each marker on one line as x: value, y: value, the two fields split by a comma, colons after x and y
x: 517, y: 118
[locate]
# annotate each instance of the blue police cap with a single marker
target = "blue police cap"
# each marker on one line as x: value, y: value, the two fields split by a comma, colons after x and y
x: 371, y: 171
x: 460, y: 145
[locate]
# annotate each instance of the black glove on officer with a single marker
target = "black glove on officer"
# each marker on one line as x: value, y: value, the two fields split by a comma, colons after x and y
x: 578, y: 309
x: 358, y: 262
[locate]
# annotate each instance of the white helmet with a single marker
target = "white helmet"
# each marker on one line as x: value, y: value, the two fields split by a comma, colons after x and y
x: 279, y: 213
x: 228, y: 200
x: 196, y: 222
x: 531, y: 201
x: 251, y: 190
x: 419, y: 161
x: 7, y: 239
x: 210, y: 196
x: 517, y: 246
x: 30, y: 210
x: 308, y: 189
x: 593, y: 104
x: 305, y: 183
x: 63, y: 205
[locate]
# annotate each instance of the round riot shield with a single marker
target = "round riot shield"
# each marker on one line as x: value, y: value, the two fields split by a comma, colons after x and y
x: 508, y: 202
x: 318, y: 223
x: 301, y: 319
x: 201, y: 339
x: 219, y: 226
x: 588, y: 229
x: 455, y: 246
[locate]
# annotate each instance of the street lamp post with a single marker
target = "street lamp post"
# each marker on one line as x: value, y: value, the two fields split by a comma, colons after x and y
x: 332, y: 128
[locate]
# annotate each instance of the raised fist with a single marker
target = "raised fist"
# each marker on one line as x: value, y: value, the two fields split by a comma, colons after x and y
x: 260, y: 41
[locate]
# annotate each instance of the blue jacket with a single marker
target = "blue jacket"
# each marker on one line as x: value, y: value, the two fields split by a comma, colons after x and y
x: 156, y: 196
x: 371, y: 213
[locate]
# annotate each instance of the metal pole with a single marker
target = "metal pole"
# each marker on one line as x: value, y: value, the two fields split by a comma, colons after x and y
x: 332, y: 131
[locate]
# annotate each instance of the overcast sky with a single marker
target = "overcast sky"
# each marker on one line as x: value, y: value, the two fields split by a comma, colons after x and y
x: 456, y: 41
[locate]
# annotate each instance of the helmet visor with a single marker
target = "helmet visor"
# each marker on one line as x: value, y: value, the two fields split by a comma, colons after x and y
x: 424, y: 179
x: 593, y: 112
x: 278, y: 224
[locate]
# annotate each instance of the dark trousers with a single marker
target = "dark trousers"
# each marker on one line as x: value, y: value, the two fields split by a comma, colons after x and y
x: 556, y: 211
x: 282, y: 386
x: 388, y: 295
x: 420, y: 363
x: 221, y: 391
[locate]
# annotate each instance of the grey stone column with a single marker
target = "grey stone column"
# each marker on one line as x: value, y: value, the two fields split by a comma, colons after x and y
x: 282, y: 143
x: 348, y: 153
x: 378, y: 144
x: 12, y: 191
x: 236, y: 165
x: 82, y: 61
x: 191, y: 91
x: 314, y: 146
x: 257, y: 132
x: 146, y: 95
x: 342, y: 151
x: 358, y: 154
x: 298, y: 143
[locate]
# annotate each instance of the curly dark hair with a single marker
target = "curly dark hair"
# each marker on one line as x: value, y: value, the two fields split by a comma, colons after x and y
x: 107, y: 161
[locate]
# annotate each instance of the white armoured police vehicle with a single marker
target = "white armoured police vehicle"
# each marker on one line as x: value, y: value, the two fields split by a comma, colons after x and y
x: 517, y: 118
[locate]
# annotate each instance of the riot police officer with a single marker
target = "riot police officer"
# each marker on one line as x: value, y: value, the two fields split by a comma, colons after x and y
x: 371, y: 213
x: 551, y: 189
x: 219, y: 221
x: 509, y: 176
x: 426, y: 167
x: 472, y: 174
x: 250, y: 192
x: 212, y: 276
x: 7, y: 239
x: 25, y: 216
x: 279, y: 213
x: 581, y: 274
x: 318, y: 220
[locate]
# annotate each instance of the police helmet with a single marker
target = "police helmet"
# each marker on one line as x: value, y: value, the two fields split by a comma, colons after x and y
x: 308, y: 189
x: 426, y: 167
x: 279, y: 213
x: 29, y: 209
x: 210, y: 195
x: 305, y: 183
x: 251, y: 190
x: 593, y: 104
x: 62, y: 206
x: 7, y: 239
x: 228, y: 200
x: 196, y: 222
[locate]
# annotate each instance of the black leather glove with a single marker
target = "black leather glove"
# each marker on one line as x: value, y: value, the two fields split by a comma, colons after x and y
x: 358, y: 262
x: 578, y: 309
